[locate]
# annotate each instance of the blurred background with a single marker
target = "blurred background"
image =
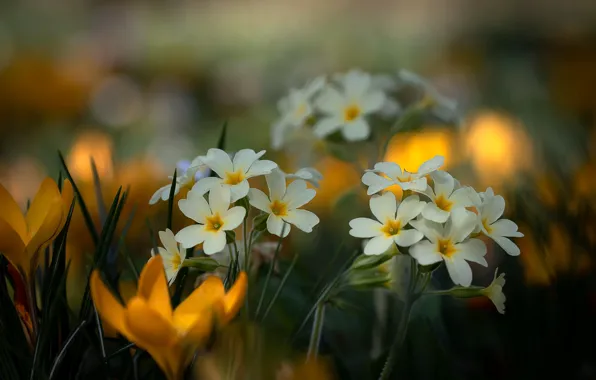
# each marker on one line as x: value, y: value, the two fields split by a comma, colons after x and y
x: 140, y: 85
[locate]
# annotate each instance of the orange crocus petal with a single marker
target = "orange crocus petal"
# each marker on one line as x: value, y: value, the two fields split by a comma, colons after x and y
x: 210, y: 293
x: 111, y: 311
x: 195, y: 327
x: 11, y: 213
x: 44, y: 216
x: 153, y: 287
x: 13, y: 247
x: 234, y: 299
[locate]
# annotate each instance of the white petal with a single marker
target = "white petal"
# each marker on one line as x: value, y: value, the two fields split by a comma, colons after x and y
x: 327, y: 126
x: 219, y: 199
x: 493, y: 208
x: 383, y: 206
x: 505, y: 227
x: 392, y: 169
x: 203, y: 185
x: 425, y: 253
x: 430, y: 229
x: 239, y: 191
x: 169, y: 241
x: 259, y: 200
x: 260, y: 167
x: 278, y: 133
x: 418, y: 184
x: 472, y: 250
x: 244, y: 158
x: 365, y: 228
x: 356, y: 83
x: 161, y: 251
x: 314, y: 86
x: 375, y: 182
x: 409, y: 208
x: 191, y: 235
x: 461, y: 224
x: 435, y: 214
x: 431, y: 165
x: 507, y: 245
x: 298, y: 194
x: 357, y: 130
x: 276, y: 182
x: 233, y: 217
x: 406, y: 238
x: 194, y: 207
x: 463, y: 197
x: 330, y: 101
x: 276, y: 225
x: 372, y: 102
x: 443, y: 183
x: 459, y: 271
x: 219, y: 161
x: 378, y: 245
x: 171, y: 275
x: 303, y: 219
x: 214, y: 242
x: 160, y: 194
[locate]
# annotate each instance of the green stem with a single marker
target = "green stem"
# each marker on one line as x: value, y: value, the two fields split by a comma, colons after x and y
x: 245, y: 241
x: 317, y: 331
x: 399, y: 339
x: 268, y: 278
x: 32, y: 298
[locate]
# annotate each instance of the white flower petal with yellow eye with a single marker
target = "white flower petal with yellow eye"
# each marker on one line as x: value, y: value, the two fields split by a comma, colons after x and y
x: 276, y: 225
x: 303, y: 219
x: 396, y: 176
x: 495, y: 292
x: 425, y: 253
x: 261, y: 167
x: 330, y: 101
x: 219, y: 199
x: 375, y: 182
x: 508, y: 246
x: 365, y: 228
x: 297, y: 194
x: 378, y: 245
x: 239, y: 191
x: 434, y: 213
x: 162, y: 193
x: 191, y: 236
x: 327, y: 126
x: 392, y: 169
x: 383, y: 207
x: 218, y: 161
x: 276, y: 183
x: 310, y: 175
x: 409, y: 209
x: 472, y: 250
x: 194, y: 206
x: 459, y: 271
x: 356, y: 130
x: 215, y: 242
x: 244, y: 158
x: 373, y: 102
x: 259, y: 200
x: 168, y: 241
x: 233, y: 218
x: 407, y: 238
x: 490, y: 209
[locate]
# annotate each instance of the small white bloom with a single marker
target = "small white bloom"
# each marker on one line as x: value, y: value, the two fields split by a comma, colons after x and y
x: 445, y: 197
x: 295, y: 109
x: 310, y: 175
x: 392, y: 174
x: 173, y: 254
x: 495, y: 292
x: 282, y: 204
x: 390, y: 223
x: 346, y: 110
x: 233, y: 174
x: 213, y: 218
x: 186, y: 175
x: 450, y: 243
x: 490, y: 209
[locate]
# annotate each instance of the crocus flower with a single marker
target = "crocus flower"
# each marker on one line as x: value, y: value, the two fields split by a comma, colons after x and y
x: 169, y: 336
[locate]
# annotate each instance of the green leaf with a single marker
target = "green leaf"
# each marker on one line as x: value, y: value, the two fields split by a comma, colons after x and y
x: 171, y: 200
x: 429, y: 268
x: 205, y: 264
x: 101, y: 206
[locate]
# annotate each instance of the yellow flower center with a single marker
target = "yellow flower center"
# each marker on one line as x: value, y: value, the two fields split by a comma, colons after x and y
x: 446, y: 247
x: 391, y: 228
x: 352, y: 112
x: 279, y: 208
x: 486, y: 226
x: 234, y: 178
x: 406, y: 177
x: 301, y: 110
x: 176, y: 261
x: 443, y: 203
x: 214, y: 223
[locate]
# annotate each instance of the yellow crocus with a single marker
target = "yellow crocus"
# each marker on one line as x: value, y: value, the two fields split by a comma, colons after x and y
x: 170, y: 336
x: 24, y: 236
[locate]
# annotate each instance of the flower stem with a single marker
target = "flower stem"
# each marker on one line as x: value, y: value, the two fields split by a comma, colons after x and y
x: 32, y: 298
x: 399, y: 339
x: 246, y: 243
x: 317, y: 331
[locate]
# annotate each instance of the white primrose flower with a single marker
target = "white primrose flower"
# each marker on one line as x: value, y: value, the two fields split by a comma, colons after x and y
x: 214, y: 218
x: 450, y: 243
x: 490, y: 208
x: 310, y: 175
x: 186, y: 174
x: 173, y: 254
x: 390, y: 223
x: 445, y: 197
x: 233, y: 174
x: 495, y: 292
x: 392, y: 174
x: 346, y: 110
x: 282, y: 204
x: 295, y: 109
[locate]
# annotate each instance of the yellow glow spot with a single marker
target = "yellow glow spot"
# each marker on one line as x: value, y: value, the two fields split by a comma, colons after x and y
x: 234, y: 178
x: 391, y: 228
x: 443, y: 203
x: 352, y: 112
x: 214, y: 223
x: 279, y: 208
x: 487, y: 226
x: 89, y: 145
x: 446, y: 247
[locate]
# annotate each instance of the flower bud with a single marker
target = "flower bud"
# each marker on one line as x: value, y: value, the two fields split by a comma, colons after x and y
x: 205, y: 264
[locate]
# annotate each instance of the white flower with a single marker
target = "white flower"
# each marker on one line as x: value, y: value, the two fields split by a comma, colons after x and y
x: 445, y: 197
x: 450, y: 243
x: 213, y: 218
x: 393, y: 175
x: 173, y: 254
x: 282, y: 204
x: 390, y: 223
x: 295, y: 109
x: 310, y: 175
x: 186, y: 175
x: 346, y: 110
x: 490, y: 209
x: 495, y: 292
x: 233, y: 174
